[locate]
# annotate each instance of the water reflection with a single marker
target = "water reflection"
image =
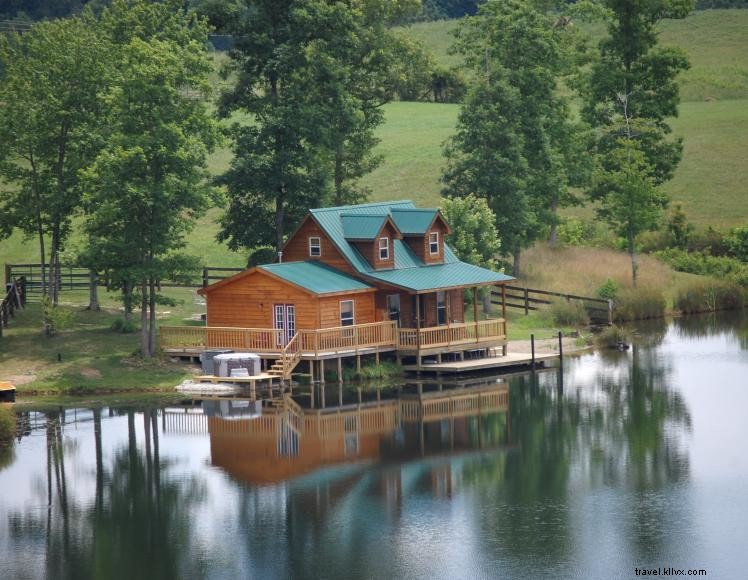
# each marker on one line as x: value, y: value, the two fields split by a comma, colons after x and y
x: 581, y: 477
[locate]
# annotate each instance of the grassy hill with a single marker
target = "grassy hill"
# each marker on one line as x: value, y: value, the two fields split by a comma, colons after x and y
x: 710, y: 182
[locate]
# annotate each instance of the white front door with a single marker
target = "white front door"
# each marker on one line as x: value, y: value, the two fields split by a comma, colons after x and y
x: 284, y: 319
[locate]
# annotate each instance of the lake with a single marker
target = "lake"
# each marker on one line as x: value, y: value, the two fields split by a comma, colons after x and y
x: 624, y: 461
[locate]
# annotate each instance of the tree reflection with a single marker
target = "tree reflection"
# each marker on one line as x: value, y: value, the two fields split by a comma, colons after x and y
x: 135, y: 524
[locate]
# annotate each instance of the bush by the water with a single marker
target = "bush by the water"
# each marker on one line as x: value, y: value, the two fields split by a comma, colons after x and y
x: 611, y: 337
x: 608, y: 290
x: 639, y: 304
x: 7, y: 424
x: 124, y: 326
x: 710, y: 296
x: 701, y: 263
x: 569, y: 313
x: 383, y: 370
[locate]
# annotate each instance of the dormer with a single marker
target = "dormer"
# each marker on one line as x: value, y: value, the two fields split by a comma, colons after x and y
x: 424, y: 231
x: 373, y: 236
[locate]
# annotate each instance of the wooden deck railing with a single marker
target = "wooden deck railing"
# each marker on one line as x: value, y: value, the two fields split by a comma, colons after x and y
x: 338, y: 339
x: 453, y: 335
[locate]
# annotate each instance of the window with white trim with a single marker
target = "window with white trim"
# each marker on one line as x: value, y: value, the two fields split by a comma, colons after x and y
x: 315, y: 247
x: 346, y: 313
x: 434, y: 243
x: 384, y: 248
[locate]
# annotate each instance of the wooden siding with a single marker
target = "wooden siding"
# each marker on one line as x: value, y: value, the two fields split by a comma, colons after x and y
x: 329, y: 309
x: 420, y: 244
x: 370, y: 249
x: 297, y: 247
x: 248, y: 303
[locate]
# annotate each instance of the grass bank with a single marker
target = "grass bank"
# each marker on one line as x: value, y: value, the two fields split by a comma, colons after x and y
x: 87, y: 357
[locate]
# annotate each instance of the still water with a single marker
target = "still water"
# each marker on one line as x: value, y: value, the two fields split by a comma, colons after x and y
x: 628, y: 460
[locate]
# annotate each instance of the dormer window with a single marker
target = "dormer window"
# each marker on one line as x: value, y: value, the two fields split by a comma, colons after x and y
x: 384, y: 248
x: 315, y: 247
x: 434, y: 243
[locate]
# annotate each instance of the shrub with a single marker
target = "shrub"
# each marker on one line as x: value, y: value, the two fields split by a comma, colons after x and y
x: 701, y: 263
x: 611, y: 337
x: 608, y: 290
x: 710, y: 296
x: 56, y: 318
x: 639, y: 304
x: 124, y: 326
x: 7, y: 424
x: 574, y: 232
x: 569, y: 313
x: 709, y: 241
x: 737, y: 241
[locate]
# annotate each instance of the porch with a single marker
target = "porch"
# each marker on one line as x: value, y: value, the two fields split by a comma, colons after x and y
x: 342, y: 341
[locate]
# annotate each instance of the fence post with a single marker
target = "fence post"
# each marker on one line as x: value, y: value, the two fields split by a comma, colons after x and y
x: 8, y: 273
x: 610, y: 311
x: 527, y: 303
x: 205, y: 277
x: 560, y: 349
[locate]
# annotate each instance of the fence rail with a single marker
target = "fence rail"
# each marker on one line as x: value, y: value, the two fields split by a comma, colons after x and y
x: 598, y: 309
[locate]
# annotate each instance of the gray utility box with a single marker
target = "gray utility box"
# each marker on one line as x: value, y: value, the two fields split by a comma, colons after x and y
x: 224, y: 363
x: 207, y: 359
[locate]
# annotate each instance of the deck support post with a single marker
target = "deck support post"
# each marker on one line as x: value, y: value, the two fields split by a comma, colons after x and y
x: 322, y: 395
x: 358, y: 362
x: 376, y: 356
x: 503, y: 302
x: 475, y: 311
x: 340, y: 394
x: 418, y: 325
x: 322, y: 371
x: 311, y: 371
x: 340, y: 370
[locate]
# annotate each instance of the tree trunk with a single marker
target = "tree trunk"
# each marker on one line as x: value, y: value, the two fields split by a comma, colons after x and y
x: 54, y: 265
x: 144, y: 337
x: 93, y: 291
x: 553, y: 237
x: 280, y: 216
x: 516, y: 267
x: 634, y: 264
x: 487, y: 301
x: 152, y: 324
x: 127, y: 300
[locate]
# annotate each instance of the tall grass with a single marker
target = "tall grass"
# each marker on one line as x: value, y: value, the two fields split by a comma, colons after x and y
x: 7, y: 424
x: 710, y: 296
x: 639, y: 304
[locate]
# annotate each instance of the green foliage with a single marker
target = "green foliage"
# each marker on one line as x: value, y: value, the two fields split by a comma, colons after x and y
x: 634, y: 80
x: 639, y: 304
x: 737, y: 241
x: 7, y: 424
x: 569, y: 313
x: 701, y: 263
x: 51, y: 126
x: 474, y: 237
x: 370, y: 371
x: 56, y: 318
x: 611, y: 337
x: 710, y: 296
x: 515, y: 143
x: 119, y: 324
x: 679, y: 228
x: 629, y: 200
x: 312, y: 77
x: 608, y: 290
x: 574, y: 232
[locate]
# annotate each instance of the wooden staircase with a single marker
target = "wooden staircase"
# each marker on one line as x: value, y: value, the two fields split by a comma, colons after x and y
x: 286, y: 363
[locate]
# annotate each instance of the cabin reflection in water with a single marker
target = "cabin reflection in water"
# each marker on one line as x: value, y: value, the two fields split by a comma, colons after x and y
x: 288, y: 442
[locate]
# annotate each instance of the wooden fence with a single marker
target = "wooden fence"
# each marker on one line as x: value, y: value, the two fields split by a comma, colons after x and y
x: 74, y: 277
x: 600, y: 311
x: 15, y: 299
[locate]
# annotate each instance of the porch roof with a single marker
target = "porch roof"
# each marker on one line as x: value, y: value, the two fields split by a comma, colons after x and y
x: 316, y: 277
x: 430, y: 278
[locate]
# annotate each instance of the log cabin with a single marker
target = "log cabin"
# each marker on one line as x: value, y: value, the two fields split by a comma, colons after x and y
x: 352, y: 280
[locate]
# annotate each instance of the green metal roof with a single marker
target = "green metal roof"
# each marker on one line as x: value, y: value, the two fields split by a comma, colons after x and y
x: 315, y: 276
x: 362, y: 227
x: 427, y: 278
x: 409, y: 271
x: 411, y: 221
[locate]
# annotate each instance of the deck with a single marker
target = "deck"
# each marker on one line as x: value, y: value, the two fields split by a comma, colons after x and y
x: 335, y: 342
x: 462, y: 366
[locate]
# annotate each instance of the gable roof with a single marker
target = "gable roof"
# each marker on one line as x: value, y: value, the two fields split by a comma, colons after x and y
x: 415, y: 221
x: 312, y: 276
x: 363, y: 226
x: 409, y: 271
x: 316, y: 277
